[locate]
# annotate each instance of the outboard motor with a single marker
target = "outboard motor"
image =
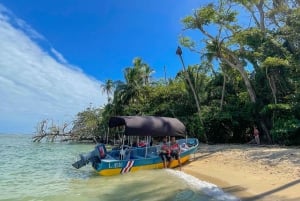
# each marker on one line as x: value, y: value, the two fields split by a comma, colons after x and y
x: 101, y: 151
x: 94, y: 156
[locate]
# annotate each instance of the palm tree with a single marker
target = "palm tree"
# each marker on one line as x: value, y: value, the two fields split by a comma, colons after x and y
x: 136, y: 77
x: 142, y: 71
x: 196, y: 97
x: 107, y: 88
x: 147, y: 74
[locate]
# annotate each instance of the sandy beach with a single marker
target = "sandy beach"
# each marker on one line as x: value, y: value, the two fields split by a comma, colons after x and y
x: 250, y: 172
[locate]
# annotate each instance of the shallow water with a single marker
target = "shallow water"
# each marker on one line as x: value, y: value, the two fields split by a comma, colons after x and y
x: 43, y: 172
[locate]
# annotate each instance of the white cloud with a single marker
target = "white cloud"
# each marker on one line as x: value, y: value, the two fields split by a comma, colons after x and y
x: 59, y: 56
x: 34, y: 85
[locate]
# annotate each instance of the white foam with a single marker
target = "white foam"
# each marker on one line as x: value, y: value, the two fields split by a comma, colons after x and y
x: 203, y: 186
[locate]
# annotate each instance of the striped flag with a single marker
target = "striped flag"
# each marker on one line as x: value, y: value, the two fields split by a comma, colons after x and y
x: 127, y: 167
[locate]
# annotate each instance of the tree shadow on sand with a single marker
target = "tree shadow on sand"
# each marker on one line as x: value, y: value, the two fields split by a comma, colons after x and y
x: 265, y: 195
x: 269, y: 193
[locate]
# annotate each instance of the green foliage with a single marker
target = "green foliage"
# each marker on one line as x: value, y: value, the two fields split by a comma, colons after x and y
x: 297, y: 110
x: 194, y: 127
x: 280, y: 108
x: 87, y: 123
x: 252, y: 37
x: 168, y: 100
x: 230, y: 124
x: 205, y: 15
x: 187, y: 42
x: 286, y: 131
x: 275, y: 62
x: 286, y: 126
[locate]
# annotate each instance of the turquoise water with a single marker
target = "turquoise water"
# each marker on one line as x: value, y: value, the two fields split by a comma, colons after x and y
x: 43, y: 172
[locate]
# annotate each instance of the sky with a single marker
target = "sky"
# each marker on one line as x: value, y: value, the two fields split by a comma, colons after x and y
x: 55, y: 54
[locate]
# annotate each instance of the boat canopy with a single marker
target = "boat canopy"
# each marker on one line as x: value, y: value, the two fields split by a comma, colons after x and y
x: 149, y: 125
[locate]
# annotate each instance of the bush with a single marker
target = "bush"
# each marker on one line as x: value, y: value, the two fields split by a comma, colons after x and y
x: 286, y: 131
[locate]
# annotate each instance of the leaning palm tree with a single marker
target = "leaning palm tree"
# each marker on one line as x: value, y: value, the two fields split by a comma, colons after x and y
x: 196, y: 97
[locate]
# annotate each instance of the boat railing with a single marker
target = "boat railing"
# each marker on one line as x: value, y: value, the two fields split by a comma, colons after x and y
x: 150, y: 152
x: 189, y: 141
x: 144, y: 152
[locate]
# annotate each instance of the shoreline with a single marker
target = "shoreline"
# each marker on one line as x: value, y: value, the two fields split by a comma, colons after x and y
x: 249, y: 172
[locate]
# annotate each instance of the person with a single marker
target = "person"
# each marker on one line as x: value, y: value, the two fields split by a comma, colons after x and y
x: 175, y: 151
x: 142, y: 143
x: 165, y: 153
x: 256, y: 135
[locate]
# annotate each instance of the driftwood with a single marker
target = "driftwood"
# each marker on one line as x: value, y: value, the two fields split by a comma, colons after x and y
x: 61, y: 133
x: 53, y: 133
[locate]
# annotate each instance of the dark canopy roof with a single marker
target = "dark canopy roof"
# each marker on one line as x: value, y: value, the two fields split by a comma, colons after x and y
x: 149, y: 125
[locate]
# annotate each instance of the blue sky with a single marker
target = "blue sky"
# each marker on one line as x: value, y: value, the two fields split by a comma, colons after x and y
x: 56, y: 53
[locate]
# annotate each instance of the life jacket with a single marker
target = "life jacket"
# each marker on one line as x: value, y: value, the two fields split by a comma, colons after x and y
x: 165, y: 147
x: 142, y: 144
x: 175, y: 147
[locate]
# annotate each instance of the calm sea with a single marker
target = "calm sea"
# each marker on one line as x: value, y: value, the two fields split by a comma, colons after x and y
x: 43, y: 172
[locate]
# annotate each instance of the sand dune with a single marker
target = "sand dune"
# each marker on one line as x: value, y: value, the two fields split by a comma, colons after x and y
x: 266, y: 173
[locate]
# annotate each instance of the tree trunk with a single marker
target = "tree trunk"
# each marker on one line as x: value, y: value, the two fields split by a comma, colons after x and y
x: 239, y: 67
x: 272, y: 85
x: 195, y: 95
x: 223, y: 91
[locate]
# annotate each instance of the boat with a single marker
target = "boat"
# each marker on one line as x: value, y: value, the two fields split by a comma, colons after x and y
x: 128, y: 158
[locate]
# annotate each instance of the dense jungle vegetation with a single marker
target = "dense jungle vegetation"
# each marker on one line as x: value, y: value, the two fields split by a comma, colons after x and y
x: 248, y: 74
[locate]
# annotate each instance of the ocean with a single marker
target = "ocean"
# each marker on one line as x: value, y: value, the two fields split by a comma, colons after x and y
x: 43, y: 172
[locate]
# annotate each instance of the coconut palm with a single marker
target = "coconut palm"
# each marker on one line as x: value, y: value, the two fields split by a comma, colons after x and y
x: 108, y: 88
x: 136, y: 77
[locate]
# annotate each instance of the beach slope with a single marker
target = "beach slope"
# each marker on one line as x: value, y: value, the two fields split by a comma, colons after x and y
x: 266, y: 173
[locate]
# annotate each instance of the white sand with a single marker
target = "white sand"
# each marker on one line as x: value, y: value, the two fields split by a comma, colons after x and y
x: 250, y: 172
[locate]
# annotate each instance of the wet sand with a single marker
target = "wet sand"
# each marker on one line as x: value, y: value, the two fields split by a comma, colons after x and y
x: 250, y: 172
